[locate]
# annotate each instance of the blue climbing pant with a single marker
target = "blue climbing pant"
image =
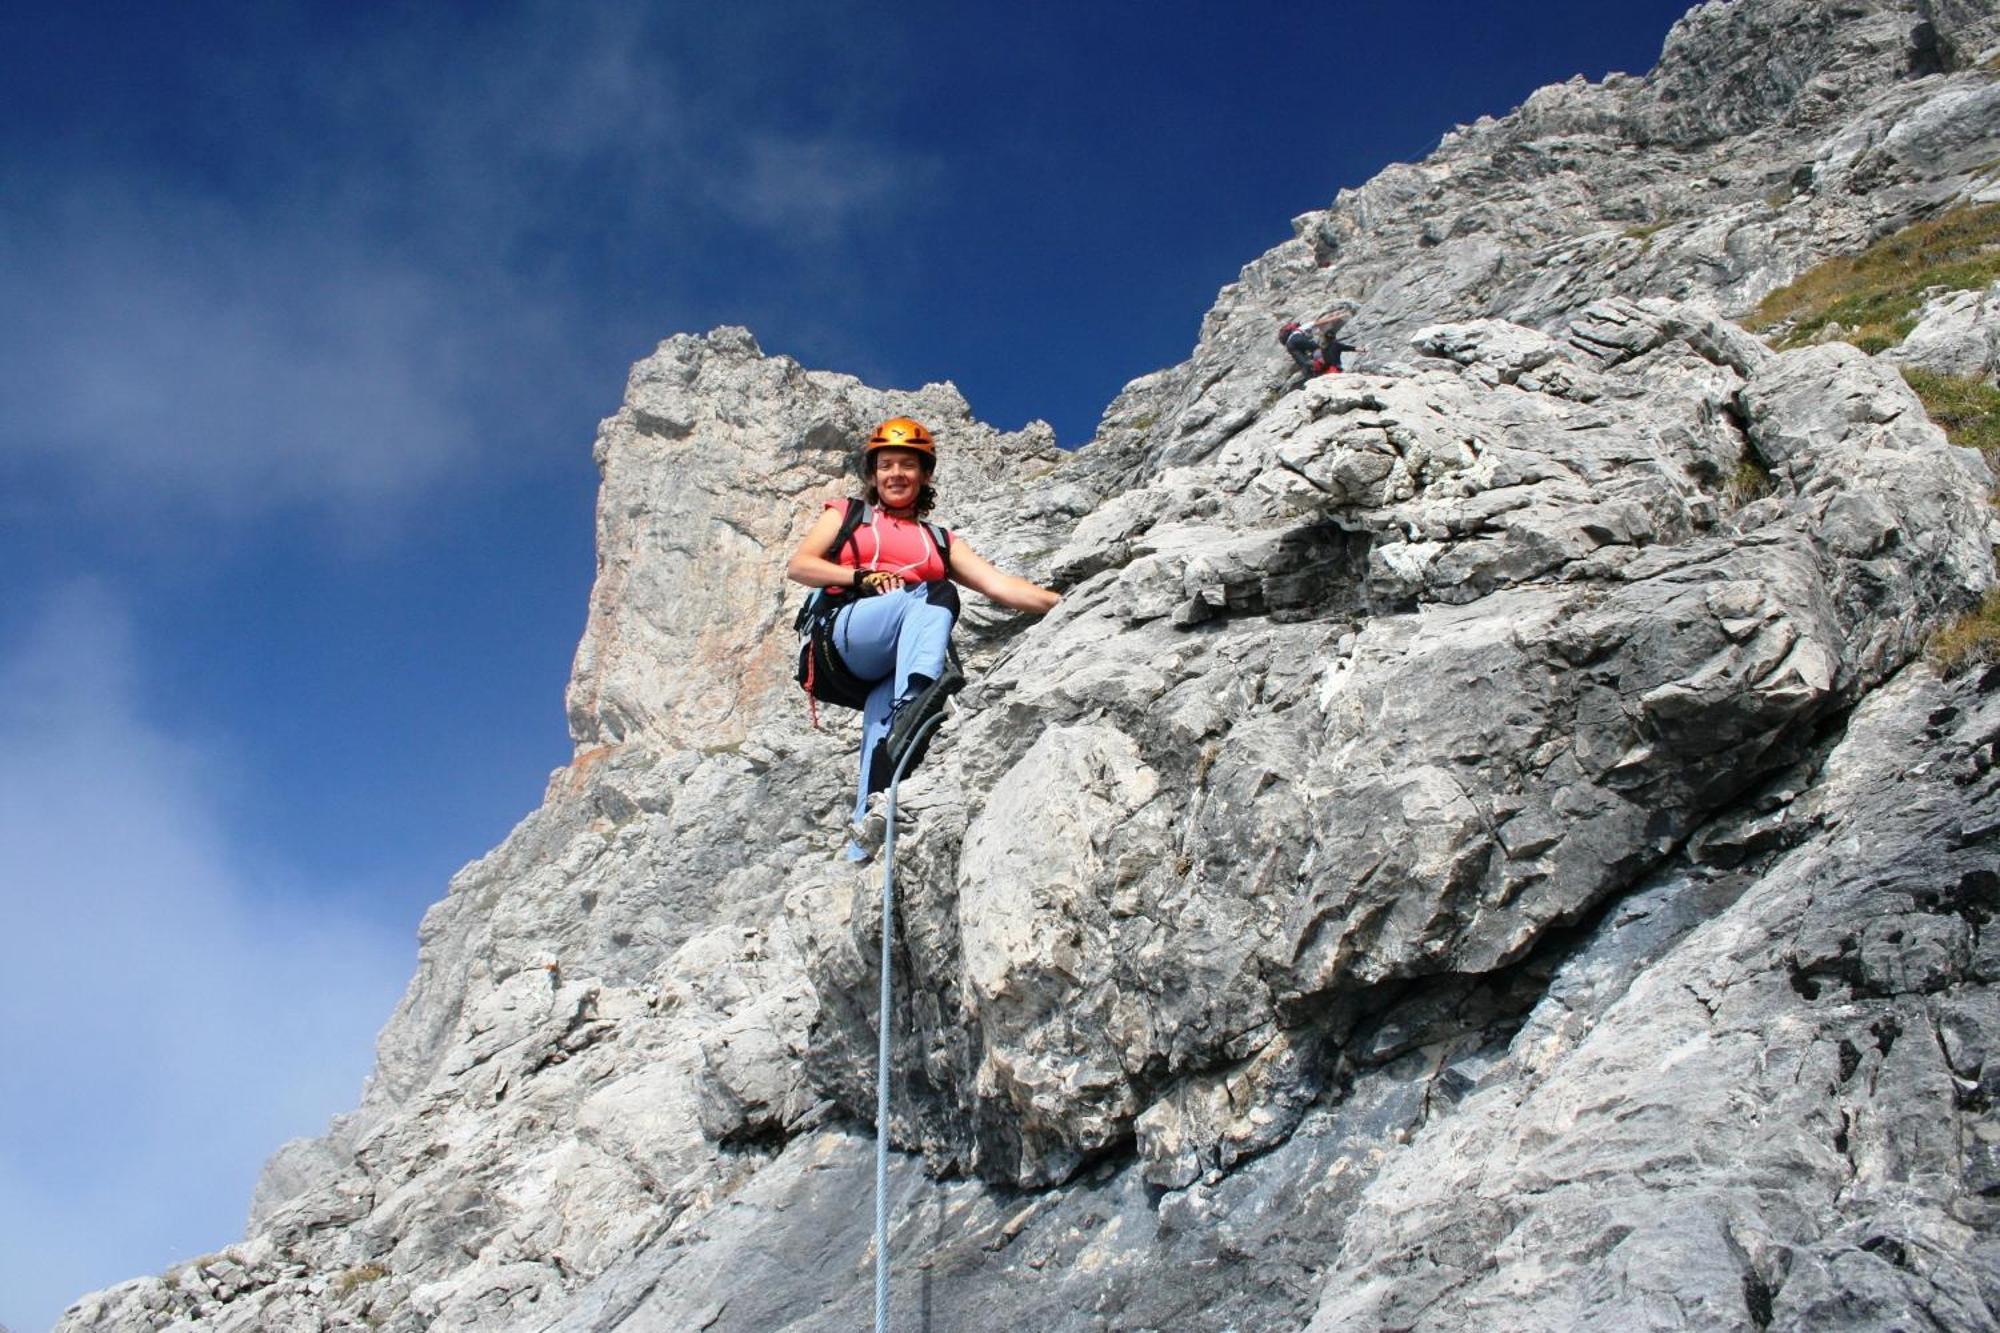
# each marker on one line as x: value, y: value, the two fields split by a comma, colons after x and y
x: 888, y: 639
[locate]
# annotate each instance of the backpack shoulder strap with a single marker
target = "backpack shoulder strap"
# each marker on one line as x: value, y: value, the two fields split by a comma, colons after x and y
x: 942, y: 536
x: 857, y: 514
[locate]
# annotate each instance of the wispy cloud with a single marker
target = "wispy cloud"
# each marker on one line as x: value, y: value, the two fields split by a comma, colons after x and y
x: 167, y: 1023
x: 819, y: 190
x: 182, y: 354
x: 421, y: 251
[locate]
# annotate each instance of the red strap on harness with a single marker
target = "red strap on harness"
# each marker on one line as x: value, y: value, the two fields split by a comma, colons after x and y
x: 812, y: 700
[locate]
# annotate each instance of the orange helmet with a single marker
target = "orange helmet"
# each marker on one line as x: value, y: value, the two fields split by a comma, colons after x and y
x: 900, y: 433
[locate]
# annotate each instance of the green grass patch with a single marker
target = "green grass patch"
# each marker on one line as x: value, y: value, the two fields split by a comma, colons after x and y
x: 1969, y: 410
x: 1750, y: 481
x: 1972, y: 641
x: 1873, y: 338
x: 1875, y: 295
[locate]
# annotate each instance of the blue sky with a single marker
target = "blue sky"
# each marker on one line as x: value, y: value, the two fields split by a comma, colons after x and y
x: 310, y: 311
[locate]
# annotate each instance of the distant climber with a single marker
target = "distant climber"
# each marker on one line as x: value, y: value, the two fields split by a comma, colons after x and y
x: 1316, y: 347
x: 879, y: 624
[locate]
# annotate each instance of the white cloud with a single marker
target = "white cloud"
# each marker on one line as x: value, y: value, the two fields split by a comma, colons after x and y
x: 419, y: 255
x: 819, y: 190
x: 167, y: 1024
x: 184, y: 354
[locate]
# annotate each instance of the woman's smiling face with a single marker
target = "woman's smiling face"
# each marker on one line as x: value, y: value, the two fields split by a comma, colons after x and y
x: 899, y: 473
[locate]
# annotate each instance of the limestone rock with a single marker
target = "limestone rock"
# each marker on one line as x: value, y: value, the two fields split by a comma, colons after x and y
x: 1520, y: 653
x: 1765, y: 1130
x: 1957, y: 333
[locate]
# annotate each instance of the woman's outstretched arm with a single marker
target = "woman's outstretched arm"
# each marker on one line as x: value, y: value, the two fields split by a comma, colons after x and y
x: 975, y: 572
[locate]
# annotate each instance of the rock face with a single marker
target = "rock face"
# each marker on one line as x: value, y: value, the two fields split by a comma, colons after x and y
x: 1957, y: 333
x: 1475, y: 848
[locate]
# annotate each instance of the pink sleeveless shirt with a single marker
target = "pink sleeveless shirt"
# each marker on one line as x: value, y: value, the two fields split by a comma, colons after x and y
x: 902, y: 545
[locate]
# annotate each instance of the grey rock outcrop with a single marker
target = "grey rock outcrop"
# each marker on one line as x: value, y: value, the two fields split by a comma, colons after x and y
x: 1820, y: 1048
x: 1520, y: 654
x: 1475, y: 848
x: 1957, y: 333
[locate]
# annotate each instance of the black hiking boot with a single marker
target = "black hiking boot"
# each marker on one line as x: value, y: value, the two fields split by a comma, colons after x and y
x: 910, y: 715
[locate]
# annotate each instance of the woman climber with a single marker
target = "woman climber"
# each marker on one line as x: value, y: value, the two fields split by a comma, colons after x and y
x: 887, y: 606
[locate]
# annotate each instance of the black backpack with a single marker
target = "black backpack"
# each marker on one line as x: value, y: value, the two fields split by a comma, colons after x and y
x: 821, y: 674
